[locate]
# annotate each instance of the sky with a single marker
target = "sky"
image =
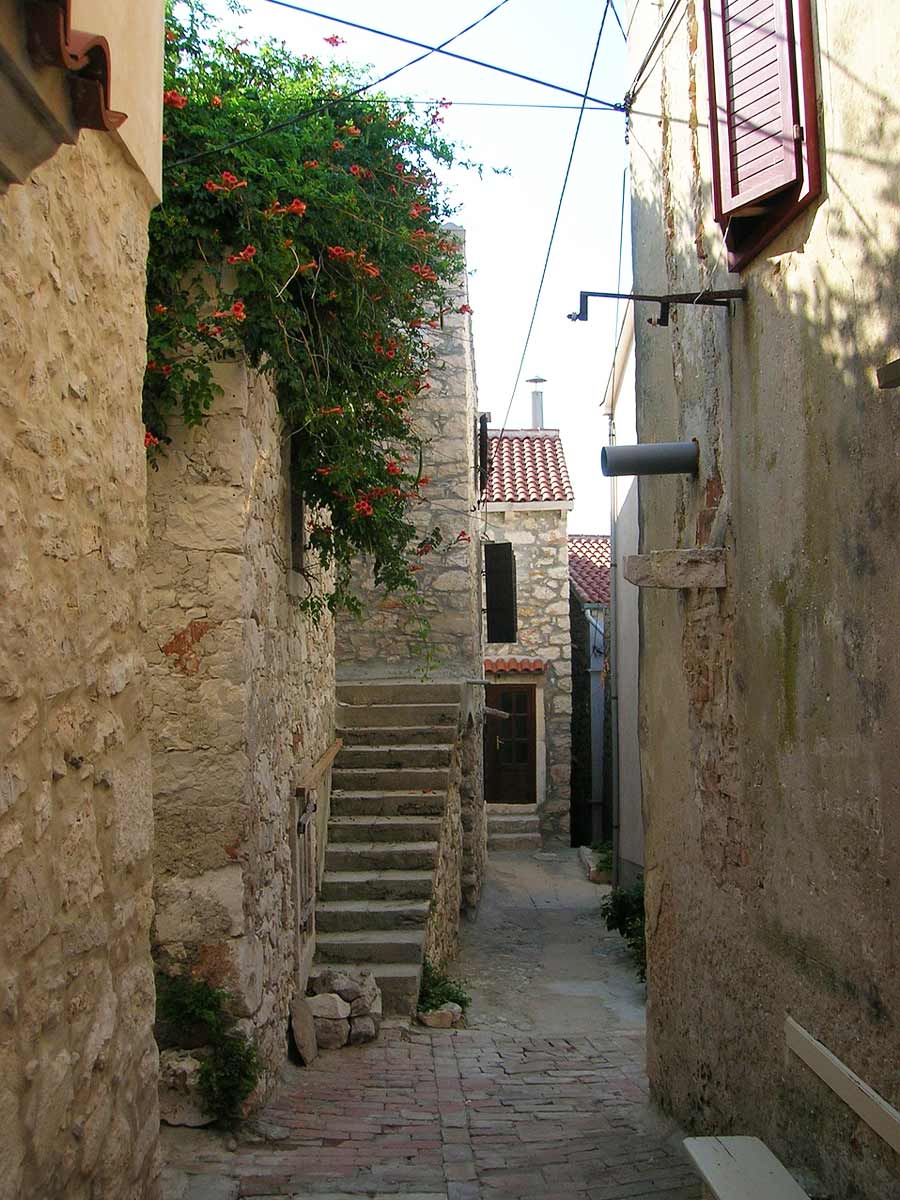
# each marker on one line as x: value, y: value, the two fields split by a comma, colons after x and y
x: 508, y: 217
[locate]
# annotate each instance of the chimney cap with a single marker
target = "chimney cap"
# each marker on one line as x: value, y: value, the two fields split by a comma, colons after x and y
x: 536, y: 379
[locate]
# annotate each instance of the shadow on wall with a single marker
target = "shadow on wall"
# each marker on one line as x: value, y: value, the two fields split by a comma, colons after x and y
x: 770, y: 758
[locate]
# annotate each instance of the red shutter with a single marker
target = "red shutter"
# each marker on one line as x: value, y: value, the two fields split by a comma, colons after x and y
x: 753, y: 101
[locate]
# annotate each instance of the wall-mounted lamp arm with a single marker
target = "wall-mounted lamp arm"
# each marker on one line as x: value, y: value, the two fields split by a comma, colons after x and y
x: 720, y: 299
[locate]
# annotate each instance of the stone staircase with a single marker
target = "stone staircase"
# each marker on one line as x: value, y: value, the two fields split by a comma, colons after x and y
x: 513, y: 827
x: 389, y: 792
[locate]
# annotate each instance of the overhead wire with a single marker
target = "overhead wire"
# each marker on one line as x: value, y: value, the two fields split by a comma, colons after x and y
x: 637, y: 82
x: 477, y: 62
x: 562, y: 196
x: 323, y: 107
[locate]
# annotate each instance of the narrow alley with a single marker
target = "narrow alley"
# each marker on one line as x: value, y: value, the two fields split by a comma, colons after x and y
x: 543, y: 1095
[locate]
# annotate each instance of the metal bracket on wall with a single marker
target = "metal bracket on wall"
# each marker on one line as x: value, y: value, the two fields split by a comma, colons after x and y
x: 717, y: 299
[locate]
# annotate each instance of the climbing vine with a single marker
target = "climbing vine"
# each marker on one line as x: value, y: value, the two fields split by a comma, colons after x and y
x: 314, y: 247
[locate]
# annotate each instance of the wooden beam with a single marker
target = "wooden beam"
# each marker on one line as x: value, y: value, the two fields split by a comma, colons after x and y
x: 311, y: 777
x: 882, y: 1117
x: 677, y: 569
x: 742, y: 1168
x: 889, y: 375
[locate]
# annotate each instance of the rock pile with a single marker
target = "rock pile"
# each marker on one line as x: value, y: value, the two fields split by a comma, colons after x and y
x: 346, y: 1009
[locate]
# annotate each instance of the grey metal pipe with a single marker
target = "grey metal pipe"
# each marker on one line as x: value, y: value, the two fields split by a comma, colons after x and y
x: 651, y: 458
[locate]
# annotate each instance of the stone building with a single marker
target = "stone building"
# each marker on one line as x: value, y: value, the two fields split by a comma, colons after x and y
x: 769, y: 692
x: 407, y: 838
x: 241, y: 706
x: 526, y: 503
x: 80, y: 164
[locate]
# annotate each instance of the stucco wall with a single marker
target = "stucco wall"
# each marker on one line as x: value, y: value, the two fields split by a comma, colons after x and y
x: 242, y: 690
x: 770, y: 756
x: 78, y: 1062
x: 539, y: 542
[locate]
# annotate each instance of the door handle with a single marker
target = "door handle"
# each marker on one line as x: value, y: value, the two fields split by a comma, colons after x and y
x: 498, y: 739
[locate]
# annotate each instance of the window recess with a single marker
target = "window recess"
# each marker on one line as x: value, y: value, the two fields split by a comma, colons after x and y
x: 764, y: 127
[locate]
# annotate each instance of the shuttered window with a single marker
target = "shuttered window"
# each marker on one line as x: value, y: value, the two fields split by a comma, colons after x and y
x: 500, y: 592
x: 763, y: 119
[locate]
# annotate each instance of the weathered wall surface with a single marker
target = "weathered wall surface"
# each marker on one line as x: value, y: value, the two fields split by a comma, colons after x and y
x: 771, y: 762
x: 242, y: 689
x: 442, y: 927
x: 539, y: 541
x: 78, y: 1062
x: 386, y: 641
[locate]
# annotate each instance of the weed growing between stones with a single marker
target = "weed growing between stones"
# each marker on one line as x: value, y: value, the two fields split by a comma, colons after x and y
x: 623, y: 912
x: 437, y: 989
x: 192, y: 1014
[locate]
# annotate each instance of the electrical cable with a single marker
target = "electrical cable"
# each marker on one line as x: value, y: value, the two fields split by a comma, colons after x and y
x: 309, y: 112
x: 618, y: 22
x: 562, y: 196
x: 477, y: 62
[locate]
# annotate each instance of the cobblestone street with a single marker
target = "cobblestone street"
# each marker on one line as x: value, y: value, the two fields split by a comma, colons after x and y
x: 544, y: 1095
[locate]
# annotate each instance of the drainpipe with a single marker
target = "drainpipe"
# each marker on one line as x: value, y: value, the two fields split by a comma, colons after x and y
x: 613, y: 638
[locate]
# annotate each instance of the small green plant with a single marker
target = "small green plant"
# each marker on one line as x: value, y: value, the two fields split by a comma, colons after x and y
x: 437, y: 989
x: 603, y: 855
x: 623, y: 912
x: 192, y: 1013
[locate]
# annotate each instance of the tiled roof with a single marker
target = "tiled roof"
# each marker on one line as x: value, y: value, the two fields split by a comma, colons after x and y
x: 527, y: 467
x: 589, y: 566
x: 510, y: 666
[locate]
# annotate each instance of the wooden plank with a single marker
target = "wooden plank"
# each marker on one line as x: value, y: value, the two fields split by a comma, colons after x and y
x: 889, y: 374
x: 677, y: 569
x: 742, y: 1168
x: 882, y: 1117
x: 313, y: 775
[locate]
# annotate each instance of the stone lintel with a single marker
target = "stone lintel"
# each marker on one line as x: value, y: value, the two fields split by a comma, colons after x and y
x: 677, y: 569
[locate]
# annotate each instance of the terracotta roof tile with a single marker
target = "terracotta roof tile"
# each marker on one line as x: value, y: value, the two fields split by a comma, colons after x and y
x: 527, y: 467
x: 509, y: 666
x: 589, y: 558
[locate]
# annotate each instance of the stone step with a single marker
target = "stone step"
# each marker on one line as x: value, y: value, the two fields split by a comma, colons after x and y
x: 336, y: 916
x: 383, y: 829
x: 398, y: 692
x: 381, y: 856
x: 381, y: 736
x: 503, y: 823
x: 519, y: 810
x: 371, y: 945
x: 395, y: 758
x: 377, y: 885
x: 399, y: 983
x: 514, y: 841
x: 400, y: 804
x: 416, y: 779
x: 349, y: 716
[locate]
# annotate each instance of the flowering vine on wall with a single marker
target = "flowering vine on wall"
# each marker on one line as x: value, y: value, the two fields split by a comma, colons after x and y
x: 316, y: 250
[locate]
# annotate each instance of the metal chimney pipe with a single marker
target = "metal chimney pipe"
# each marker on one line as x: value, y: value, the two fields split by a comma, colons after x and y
x: 537, y: 404
x: 652, y: 458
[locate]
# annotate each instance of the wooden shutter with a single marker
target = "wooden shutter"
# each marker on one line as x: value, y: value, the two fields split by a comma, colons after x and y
x: 500, y: 592
x: 754, y: 121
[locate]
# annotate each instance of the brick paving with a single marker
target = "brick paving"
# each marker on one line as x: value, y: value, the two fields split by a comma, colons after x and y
x: 496, y: 1111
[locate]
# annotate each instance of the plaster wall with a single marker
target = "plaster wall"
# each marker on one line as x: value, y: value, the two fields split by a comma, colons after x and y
x: 770, y: 760
x: 538, y: 537
x: 78, y: 1063
x: 242, y: 693
x: 135, y: 33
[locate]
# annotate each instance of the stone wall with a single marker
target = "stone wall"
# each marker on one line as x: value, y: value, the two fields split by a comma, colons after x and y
x: 78, y: 1062
x: 768, y: 709
x: 242, y: 690
x: 442, y: 927
x: 539, y: 541
x: 387, y: 641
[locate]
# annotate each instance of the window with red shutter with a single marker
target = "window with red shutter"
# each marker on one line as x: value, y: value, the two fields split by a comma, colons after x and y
x: 763, y: 118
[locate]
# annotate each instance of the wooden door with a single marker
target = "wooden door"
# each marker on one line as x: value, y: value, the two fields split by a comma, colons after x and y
x: 510, y: 751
